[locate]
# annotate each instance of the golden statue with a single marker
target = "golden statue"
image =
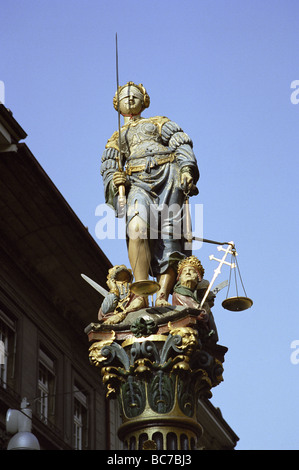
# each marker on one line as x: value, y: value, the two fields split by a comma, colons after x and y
x: 153, y: 163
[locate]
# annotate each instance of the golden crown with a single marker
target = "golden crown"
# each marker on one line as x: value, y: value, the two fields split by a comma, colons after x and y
x: 191, y: 261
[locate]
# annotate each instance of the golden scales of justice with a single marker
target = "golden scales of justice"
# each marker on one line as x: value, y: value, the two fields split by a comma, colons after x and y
x: 236, y: 303
x: 145, y: 288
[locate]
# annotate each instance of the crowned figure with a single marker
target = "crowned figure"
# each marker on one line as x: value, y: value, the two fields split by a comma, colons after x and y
x: 190, y: 289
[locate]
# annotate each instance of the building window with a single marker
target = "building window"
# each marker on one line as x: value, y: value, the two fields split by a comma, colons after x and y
x: 80, y: 419
x: 46, y: 388
x: 7, y: 351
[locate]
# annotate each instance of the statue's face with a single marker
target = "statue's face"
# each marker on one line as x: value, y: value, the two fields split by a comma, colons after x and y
x: 189, y: 277
x: 188, y: 338
x: 130, y: 101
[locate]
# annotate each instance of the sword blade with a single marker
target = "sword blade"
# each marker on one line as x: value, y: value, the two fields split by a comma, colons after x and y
x: 118, y: 110
x: 95, y: 285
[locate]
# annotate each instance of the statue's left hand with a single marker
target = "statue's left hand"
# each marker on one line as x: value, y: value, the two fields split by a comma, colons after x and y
x: 186, y: 181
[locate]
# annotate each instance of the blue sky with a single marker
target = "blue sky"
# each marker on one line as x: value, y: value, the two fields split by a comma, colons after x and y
x: 222, y: 69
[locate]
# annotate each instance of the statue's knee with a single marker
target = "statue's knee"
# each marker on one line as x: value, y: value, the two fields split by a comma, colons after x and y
x: 137, y: 228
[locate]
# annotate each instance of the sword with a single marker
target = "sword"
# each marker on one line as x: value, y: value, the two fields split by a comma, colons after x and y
x: 219, y: 287
x: 96, y: 286
x: 121, y: 189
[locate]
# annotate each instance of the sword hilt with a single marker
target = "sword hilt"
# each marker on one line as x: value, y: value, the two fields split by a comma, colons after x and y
x: 122, y: 195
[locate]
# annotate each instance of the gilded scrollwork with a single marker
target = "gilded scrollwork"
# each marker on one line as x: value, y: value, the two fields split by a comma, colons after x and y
x: 189, y: 337
x: 95, y: 351
x: 113, y: 380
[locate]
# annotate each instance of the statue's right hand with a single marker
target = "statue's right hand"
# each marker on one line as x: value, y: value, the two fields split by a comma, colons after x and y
x: 119, y: 178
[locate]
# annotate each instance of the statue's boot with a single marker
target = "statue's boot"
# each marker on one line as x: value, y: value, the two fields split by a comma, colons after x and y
x: 137, y: 303
x: 161, y: 300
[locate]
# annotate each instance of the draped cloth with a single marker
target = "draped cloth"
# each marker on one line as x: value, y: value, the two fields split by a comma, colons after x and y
x: 191, y: 298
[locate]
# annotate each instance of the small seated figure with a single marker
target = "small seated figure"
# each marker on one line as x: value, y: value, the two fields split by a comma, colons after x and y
x: 190, y: 290
x: 120, y: 300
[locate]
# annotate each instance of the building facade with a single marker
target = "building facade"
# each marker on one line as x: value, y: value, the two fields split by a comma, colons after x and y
x: 45, y: 304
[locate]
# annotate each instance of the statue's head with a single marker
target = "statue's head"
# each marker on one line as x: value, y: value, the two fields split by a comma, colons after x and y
x: 133, y: 99
x: 190, y: 272
x: 189, y: 337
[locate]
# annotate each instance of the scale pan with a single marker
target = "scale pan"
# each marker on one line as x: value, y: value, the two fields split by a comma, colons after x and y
x: 144, y: 287
x: 237, y: 304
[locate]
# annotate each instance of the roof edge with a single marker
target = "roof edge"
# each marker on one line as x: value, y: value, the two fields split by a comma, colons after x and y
x: 10, y: 123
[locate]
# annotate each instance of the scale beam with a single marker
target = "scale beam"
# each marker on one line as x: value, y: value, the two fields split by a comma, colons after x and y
x: 220, y: 248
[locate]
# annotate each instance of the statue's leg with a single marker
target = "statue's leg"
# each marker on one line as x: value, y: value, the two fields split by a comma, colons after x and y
x: 139, y: 257
x: 138, y: 249
x: 166, y: 281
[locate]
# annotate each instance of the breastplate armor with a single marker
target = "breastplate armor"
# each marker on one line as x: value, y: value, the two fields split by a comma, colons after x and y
x: 141, y: 140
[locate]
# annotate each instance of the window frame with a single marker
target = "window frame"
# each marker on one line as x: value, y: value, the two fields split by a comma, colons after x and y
x: 46, y: 386
x: 8, y: 337
x: 80, y: 421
